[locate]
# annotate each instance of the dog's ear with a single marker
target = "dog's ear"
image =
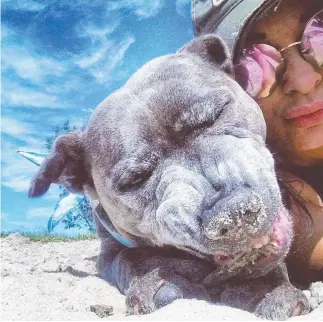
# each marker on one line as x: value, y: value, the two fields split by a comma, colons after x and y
x: 212, y: 48
x: 65, y: 165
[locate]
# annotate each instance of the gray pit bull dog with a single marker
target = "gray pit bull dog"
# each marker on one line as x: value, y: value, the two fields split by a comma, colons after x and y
x: 177, y: 166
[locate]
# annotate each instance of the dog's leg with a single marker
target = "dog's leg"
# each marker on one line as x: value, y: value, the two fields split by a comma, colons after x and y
x: 150, y: 277
x: 150, y: 281
x: 270, y: 297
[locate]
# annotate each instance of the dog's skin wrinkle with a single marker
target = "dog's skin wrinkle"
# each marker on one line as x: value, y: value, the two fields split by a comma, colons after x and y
x: 199, y: 142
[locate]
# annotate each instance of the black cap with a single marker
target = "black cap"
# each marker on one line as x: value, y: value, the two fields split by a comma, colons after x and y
x: 229, y: 19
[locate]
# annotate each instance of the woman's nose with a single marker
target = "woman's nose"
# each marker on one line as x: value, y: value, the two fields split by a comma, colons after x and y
x: 300, y: 76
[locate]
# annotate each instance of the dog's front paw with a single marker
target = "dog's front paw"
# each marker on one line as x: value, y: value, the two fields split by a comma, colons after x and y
x: 149, y: 293
x: 159, y: 287
x: 282, y: 303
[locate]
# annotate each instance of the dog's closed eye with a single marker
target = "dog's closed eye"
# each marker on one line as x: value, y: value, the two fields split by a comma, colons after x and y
x: 203, y: 125
x: 126, y: 178
x: 133, y: 180
x: 182, y: 130
x: 130, y: 174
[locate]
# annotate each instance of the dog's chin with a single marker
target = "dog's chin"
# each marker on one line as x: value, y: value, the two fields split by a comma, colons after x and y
x: 262, y: 254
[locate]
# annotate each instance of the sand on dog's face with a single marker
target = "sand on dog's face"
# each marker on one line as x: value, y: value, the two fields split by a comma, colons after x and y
x: 58, y: 281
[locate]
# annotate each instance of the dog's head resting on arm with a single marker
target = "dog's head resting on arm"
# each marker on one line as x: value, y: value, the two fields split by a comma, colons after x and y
x: 177, y: 157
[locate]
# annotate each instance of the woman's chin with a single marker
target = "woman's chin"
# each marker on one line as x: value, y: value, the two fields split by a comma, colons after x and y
x: 306, y: 150
x: 309, y: 140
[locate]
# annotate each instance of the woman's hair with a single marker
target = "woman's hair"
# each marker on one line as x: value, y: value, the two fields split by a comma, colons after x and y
x: 316, y: 6
x: 290, y: 195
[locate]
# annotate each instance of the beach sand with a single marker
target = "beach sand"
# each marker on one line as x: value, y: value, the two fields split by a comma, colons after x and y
x: 58, y: 281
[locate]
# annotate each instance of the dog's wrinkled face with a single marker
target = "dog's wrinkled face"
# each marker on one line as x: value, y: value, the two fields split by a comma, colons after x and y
x: 177, y: 157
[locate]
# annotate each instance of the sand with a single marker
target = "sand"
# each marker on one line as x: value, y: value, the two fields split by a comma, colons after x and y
x: 58, y: 281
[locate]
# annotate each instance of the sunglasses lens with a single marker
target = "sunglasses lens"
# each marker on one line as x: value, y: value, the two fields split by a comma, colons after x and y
x: 312, y: 40
x: 256, y: 70
x: 249, y: 75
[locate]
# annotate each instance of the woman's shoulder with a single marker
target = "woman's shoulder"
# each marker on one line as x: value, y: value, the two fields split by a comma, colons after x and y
x: 301, y: 188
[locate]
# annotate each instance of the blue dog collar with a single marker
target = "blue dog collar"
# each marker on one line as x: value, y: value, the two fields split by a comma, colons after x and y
x: 120, y: 238
x: 107, y: 224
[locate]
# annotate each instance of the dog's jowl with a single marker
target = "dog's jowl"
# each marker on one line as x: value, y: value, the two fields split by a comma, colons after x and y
x: 186, y: 199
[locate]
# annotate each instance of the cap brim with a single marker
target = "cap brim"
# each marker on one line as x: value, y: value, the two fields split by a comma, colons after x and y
x: 232, y: 21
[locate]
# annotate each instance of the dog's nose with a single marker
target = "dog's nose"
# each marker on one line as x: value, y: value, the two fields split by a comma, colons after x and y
x: 242, y: 210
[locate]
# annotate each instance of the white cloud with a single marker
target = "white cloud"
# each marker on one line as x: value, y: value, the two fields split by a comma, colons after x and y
x: 32, y: 143
x: 6, y: 32
x: 90, y: 29
x: 39, y: 212
x: 15, y: 128
x: 24, y: 5
x: 46, y: 75
x: 4, y: 215
x: 26, y: 97
x: 71, y: 83
x: 17, y: 183
x: 87, y: 110
x: 180, y: 6
x: 31, y: 98
x: 92, y: 59
x: 27, y: 64
x: 99, y: 66
x: 100, y: 43
x: 21, y: 60
x: 143, y: 9
x: 20, y: 225
x: 15, y: 94
x: 52, y: 193
x: 105, y: 54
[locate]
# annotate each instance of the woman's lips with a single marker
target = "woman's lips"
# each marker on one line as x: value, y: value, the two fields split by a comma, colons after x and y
x: 305, y: 115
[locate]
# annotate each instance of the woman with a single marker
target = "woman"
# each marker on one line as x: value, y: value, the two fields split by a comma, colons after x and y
x: 277, y: 49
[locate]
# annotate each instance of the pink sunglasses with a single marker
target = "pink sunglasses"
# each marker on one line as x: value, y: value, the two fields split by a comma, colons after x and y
x: 258, y: 66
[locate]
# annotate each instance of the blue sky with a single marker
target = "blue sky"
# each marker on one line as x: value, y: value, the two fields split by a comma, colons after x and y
x: 60, y: 58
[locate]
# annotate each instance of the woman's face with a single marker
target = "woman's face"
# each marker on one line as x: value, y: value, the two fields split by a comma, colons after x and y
x: 300, y: 87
